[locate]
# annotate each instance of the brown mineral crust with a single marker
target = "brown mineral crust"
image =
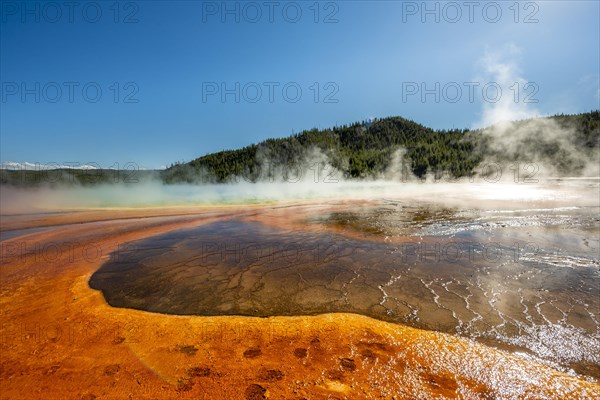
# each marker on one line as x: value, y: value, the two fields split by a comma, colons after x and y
x: 61, y: 340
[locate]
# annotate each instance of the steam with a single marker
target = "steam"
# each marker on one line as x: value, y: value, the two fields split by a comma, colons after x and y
x: 477, y: 193
x: 312, y: 165
x: 513, y: 135
x: 313, y: 178
x: 516, y: 98
x: 509, y: 138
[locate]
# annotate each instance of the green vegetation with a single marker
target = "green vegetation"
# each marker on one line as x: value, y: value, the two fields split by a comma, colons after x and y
x: 366, y: 150
x: 566, y: 143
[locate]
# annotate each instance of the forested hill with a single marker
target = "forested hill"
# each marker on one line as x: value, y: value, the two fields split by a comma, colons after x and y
x: 366, y: 149
x: 385, y: 148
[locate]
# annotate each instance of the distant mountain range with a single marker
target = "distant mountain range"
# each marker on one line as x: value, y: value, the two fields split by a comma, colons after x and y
x: 380, y: 148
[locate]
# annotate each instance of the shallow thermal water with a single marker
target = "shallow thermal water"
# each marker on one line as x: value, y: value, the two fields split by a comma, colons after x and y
x: 523, y: 279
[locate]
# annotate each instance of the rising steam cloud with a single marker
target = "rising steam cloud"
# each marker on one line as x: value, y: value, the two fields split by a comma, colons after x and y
x: 514, y: 133
x: 505, y: 128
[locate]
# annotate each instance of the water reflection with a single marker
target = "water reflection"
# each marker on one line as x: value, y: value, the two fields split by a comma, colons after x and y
x: 524, y: 280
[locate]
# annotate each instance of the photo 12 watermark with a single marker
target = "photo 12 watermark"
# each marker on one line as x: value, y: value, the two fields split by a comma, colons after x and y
x: 69, y: 92
x: 91, y: 331
x: 71, y: 12
x: 484, y: 173
x: 252, y: 12
x: 452, y: 12
x: 214, y: 253
x: 51, y: 253
x: 454, y: 92
x: 465, y: 253
x: 270, y: 92
x: 70, y: 172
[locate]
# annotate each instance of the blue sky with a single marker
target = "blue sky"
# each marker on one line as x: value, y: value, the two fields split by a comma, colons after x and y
x: 161, y: 68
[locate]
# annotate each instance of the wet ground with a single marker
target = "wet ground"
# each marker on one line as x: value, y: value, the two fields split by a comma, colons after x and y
x: 523, y: 279
x: 60, y: 339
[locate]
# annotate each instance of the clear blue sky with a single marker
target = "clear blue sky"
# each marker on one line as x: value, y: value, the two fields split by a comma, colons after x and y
x: 171, y: 54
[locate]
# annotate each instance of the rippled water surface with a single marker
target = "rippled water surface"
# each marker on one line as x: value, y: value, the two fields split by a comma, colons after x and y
x: 526, y: 280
